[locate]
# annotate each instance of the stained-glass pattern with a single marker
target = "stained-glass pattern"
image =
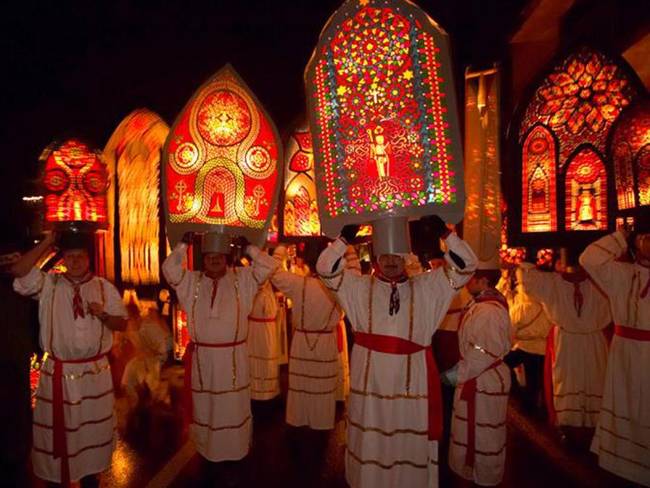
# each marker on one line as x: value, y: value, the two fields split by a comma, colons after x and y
x: 538, y: 206
x: 586, y: 192
x: 221, y: 161
x: 133, y: 153
x: 630, y: 150
x: 75, y: 182
x: 300, y: 206
x: 579, y: 100
x: 382, y: 112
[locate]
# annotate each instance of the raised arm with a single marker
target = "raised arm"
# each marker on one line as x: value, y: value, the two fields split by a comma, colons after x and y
x: 263, y: 264
x: 28, y: 260
x: 599, y: 259
x: 461, y: 261
x: 173, y: 268
x: 537, y: 284
x: 288, y: 283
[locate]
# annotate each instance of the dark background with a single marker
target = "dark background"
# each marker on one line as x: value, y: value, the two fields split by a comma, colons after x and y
x: 79, y: 67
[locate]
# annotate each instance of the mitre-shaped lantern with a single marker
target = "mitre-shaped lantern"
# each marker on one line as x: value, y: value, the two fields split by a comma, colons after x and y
x: 383, y: 116
x: 220, y: 167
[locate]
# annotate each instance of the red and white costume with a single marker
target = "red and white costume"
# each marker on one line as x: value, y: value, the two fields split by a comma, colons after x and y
x: 578, y: 350
x: 313, y: 359
x: 477, y: 449
x: 73, y: 418
x: 216, y: 359
x: 622, y: 438
x: 263, y: 346
x: 394, y: 410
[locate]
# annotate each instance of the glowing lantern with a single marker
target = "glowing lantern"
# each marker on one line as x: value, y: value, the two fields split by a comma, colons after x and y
x: 133, y: 154
x: 75, y: 182
x: 630, y: 150
x: 300, y: 207
x: 382, y: 108
x: 220, y: 162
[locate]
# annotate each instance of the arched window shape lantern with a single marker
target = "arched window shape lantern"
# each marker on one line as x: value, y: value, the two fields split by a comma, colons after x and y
x: 630, y: 151
x: 586, y: 192
x: 576, y: 103
x: 300, y: 207
x: 539, y: 203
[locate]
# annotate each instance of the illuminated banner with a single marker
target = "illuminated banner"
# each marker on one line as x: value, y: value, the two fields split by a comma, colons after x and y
x: 382, y: 112
x: 220, y: 162
x: 75, y: 182
x: 300, y: 206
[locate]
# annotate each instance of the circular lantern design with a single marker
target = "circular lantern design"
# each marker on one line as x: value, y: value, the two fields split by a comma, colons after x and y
x: 224, y: 118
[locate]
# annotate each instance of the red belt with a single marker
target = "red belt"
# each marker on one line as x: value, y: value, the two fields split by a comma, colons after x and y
x: 468, y: 394
x: 396, y: 345
x: 58, y: 416
x: 307, y: 331
x: 632, y: 333
x: 261, y: 320
x: 187, y: 364
x: 549, y: 361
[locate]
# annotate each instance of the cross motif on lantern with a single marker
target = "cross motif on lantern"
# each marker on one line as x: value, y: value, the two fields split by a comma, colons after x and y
x: 258, y: 195
x: 180, y: 188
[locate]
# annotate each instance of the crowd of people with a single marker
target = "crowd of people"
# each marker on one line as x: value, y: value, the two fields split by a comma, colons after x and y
x: 436, y: 350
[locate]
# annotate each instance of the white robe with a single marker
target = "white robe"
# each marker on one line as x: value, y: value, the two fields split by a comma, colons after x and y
x: 263, y: 346
x: 388, y: 444
x: 313, y: 360
x: 87, y: 387
x: 530, y: 323
x: 579, y: 343
x: 483, y: 339
x: 622, y: 438
x: 221, y: 426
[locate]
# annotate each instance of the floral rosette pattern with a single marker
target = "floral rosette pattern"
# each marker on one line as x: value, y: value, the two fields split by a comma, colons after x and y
x: 75, y: 181
x: 220, y: 166
x: 382, y: 111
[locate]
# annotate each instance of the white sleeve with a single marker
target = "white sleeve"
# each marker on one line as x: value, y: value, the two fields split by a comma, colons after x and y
x: 457, y: 275
x: 113, y: 301
x: 599, y: 259
x: 31, y: 284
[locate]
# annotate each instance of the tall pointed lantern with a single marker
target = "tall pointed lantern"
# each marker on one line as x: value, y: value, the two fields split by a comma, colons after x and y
x: 220, y: 162
x: 300, y: 210
x: 132, y: 155
x: 383, y: 116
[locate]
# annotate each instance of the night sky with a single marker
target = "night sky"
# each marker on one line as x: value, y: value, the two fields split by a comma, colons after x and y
x: 78, y: 68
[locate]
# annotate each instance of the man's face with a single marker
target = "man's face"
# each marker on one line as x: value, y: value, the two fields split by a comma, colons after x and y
x: 77, y: 262
x: 642, y: 245
x: 475, y: 285
x: 391, y: 265
x: 215, y: 264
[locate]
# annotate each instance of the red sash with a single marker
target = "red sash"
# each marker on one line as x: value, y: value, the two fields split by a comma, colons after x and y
x: 59, y: 442
x: 187, y: 364
x: 307, y: 331
x: 468, y: 394
x: 340, y: 330
x: 261, y: 320
x: 396, y: 345
x: 632, y: 333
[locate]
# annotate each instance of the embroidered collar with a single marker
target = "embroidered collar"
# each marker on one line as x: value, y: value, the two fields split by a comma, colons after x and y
x: 83, y: 280
x: 403, y: 278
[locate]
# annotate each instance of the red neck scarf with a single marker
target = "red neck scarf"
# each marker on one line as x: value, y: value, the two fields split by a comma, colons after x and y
x: 77, y: 302
x: 576, y: 278
x: 394, y: 303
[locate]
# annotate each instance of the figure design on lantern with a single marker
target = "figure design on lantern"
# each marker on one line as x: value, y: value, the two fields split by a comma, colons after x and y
x: 379, y: 151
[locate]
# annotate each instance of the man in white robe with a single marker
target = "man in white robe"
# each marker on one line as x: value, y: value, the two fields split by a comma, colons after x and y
x: 578, y: 347
x: 73, y: 418
x: 394, y: 410
x: 313, y: 359
x: 477, y: 450
x: 263, y: 346
x: 218, y: 301
x: 622, y: 438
